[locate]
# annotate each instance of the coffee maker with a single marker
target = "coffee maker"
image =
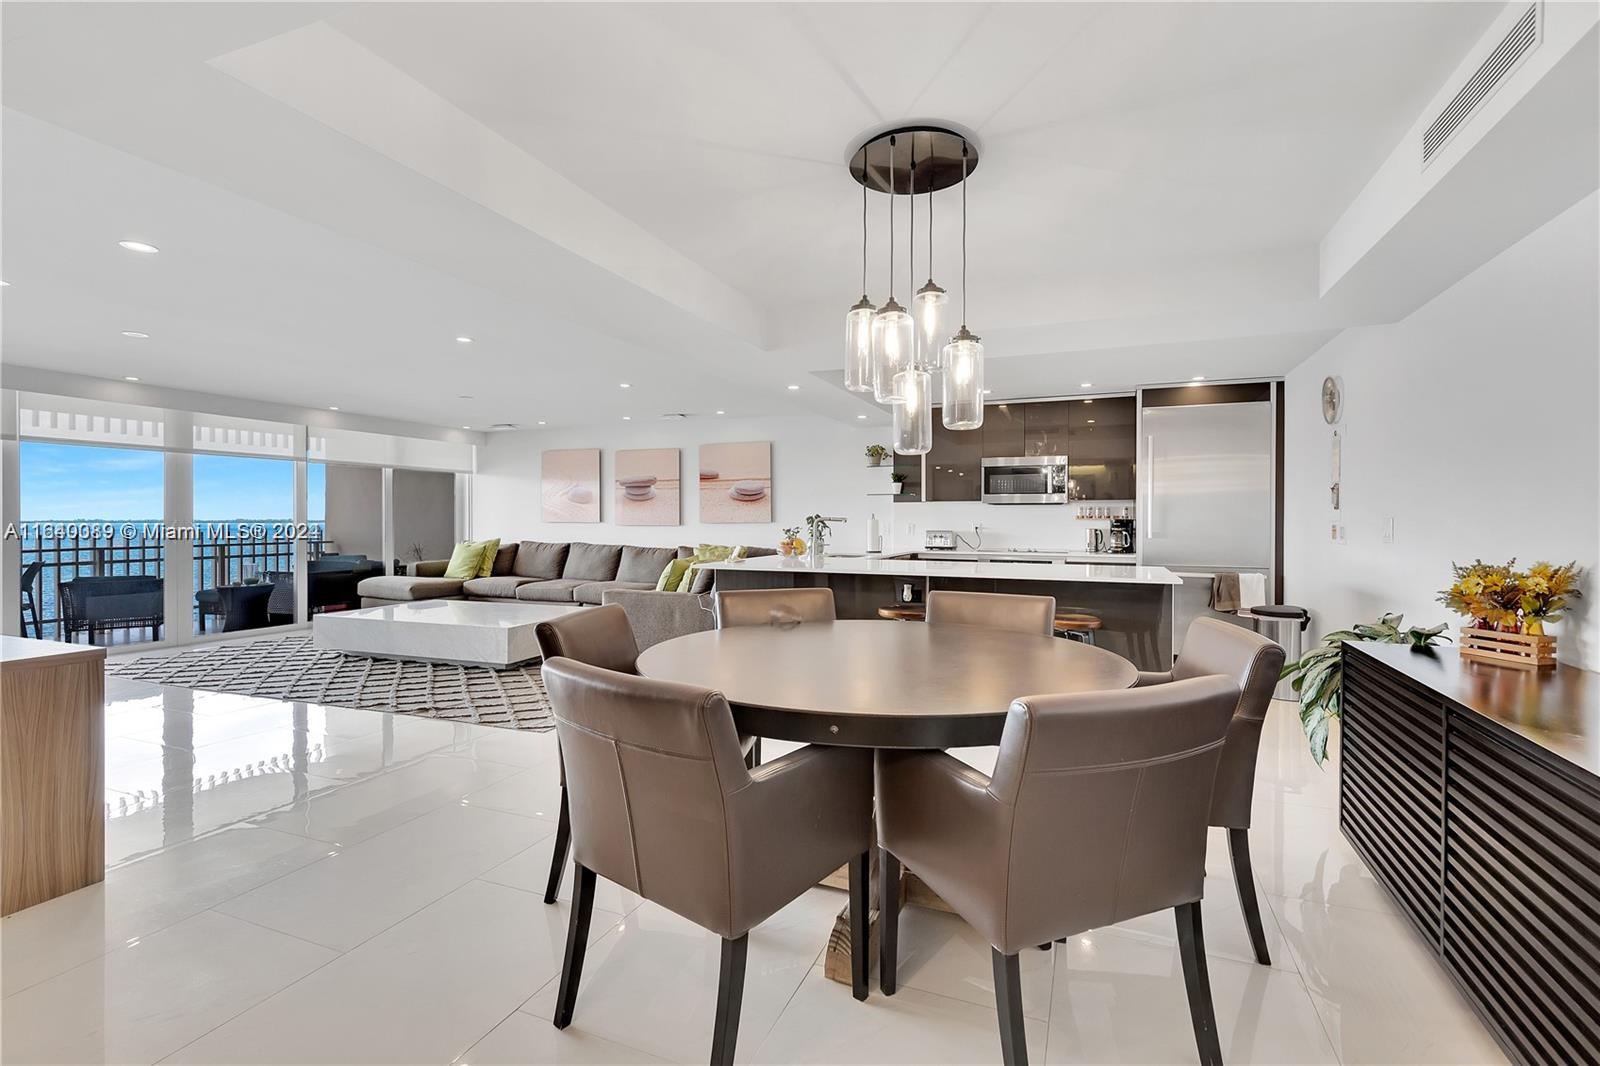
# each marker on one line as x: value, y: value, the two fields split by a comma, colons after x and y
x: 1121, y: 536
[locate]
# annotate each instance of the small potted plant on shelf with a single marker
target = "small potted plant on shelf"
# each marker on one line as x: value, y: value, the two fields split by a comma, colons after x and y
x: 877, y: 455
x: 899, y: 484
x: 791, y: 544
x: 1509, y: 609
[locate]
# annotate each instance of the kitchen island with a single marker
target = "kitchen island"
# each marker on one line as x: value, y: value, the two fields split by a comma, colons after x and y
x: 1133, y: 603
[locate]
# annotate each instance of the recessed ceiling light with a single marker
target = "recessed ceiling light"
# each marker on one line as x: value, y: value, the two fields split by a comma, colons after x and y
x: 139, y: 246
x: 4, y: 284
x: 1090, y: 421
x: 332, y: 408
x: 129, y: 377
x: 1088, y: 401
x: 1085, y: 384
x: 136, y: 334
x: 627, y: 418
x: 466, y: 427
x: 722, y: 412
x: 541, y: 423
x: 463, y: 340
x: 793, y: 388
x: 624, y: 385
x: 861, y: 416
x: 1198, y: 377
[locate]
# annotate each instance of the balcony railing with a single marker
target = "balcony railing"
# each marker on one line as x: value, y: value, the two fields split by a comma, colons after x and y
x: 217, y: 558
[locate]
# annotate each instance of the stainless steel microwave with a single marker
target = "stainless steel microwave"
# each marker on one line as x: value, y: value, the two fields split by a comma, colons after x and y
x: 1025, y: 479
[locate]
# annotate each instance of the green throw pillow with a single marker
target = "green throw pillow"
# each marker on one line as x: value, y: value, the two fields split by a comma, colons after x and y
x: 466, y: 559
x: 672, y: 576
x: 491, y: 548
x: 699, y: 580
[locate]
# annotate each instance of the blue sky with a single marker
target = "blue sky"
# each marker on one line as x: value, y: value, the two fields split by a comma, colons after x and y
x: 61, y: 482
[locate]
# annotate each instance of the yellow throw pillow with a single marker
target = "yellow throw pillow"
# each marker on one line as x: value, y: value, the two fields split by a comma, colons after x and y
x: 465, y: 560
x: 491, y: 548
x: 672, y: 576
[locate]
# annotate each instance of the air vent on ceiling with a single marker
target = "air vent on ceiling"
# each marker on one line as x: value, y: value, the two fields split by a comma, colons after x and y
x: 1522, y: 38
x: 675, y: 416
x: 501, y: 427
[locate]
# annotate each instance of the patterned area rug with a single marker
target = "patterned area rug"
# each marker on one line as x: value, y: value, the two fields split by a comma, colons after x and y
x: 294, y: 668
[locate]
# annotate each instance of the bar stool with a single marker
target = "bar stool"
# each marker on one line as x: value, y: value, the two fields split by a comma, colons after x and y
x: 1077, y: 625
x: 908, y: 612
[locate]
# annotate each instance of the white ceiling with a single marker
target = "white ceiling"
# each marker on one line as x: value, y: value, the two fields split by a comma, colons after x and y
x: 656, y: 194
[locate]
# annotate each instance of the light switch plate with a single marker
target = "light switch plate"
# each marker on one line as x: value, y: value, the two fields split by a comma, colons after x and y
x: 1388, y: 529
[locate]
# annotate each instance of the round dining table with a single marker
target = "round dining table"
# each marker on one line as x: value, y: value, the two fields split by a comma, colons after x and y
x: 879, y: 684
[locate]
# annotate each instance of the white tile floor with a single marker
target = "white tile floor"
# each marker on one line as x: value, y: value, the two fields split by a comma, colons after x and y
x: 294, y: 883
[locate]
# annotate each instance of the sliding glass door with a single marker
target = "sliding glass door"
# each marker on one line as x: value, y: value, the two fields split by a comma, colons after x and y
x: 92, y: 557
x: 244, y: 543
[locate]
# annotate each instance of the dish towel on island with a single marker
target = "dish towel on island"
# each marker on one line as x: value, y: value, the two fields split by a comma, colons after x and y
x: 1252, y: 591
x: 1225, y: 592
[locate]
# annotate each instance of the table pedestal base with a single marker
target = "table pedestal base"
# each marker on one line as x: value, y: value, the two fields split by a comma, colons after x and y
x: 914, y: 891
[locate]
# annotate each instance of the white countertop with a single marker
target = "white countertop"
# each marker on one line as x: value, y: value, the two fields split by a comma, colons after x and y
x: 895, y: 566
x: 971, y: 555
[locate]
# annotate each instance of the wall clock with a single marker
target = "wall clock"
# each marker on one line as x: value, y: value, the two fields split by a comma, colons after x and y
x: 1332, y: 400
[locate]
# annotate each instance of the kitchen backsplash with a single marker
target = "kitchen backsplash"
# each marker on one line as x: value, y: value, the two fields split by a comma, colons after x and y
x: 1045, y: 526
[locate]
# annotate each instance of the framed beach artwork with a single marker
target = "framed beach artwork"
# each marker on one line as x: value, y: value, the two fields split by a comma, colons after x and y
x: 736, y: 482
x: 569, y: 485
x: 647, y: 487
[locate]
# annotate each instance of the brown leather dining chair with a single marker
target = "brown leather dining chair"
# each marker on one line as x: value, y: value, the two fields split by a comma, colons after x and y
x: 599, y: 636
x: 1095, y: 813
x: 1254, y: 663
x: 993, y: 610
x: 663, y: 804
x: 774, y: 607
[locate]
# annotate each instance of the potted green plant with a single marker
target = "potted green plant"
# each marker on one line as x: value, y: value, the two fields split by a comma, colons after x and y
x: 877, y: 455
x: 899, y: 482
x: 1319, y: 674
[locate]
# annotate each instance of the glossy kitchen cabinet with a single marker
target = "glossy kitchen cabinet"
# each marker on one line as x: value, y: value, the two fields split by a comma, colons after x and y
x: 955, y: 465
x: 1002, y: 429
x: 1102, y: 445
x: 1045, y: 428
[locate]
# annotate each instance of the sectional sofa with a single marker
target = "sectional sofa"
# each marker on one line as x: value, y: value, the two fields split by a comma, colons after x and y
x: 533, y: 571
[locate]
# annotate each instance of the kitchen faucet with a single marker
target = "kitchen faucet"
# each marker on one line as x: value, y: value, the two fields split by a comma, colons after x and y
x: 819, y: 535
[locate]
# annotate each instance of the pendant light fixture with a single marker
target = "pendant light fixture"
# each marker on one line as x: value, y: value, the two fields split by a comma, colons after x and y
x: 962, y: 396
x: 893, y: 352
x: 858, y: 323
x: 927, y: 306
x: 892, y: 338
x: 913, y: 415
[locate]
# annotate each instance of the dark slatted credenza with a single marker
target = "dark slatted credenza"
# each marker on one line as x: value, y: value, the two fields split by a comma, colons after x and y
x: 1473, y: 793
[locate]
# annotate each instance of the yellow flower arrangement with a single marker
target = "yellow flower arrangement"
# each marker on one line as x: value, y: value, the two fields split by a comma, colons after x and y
x: 1504, y: 598
x: 1546, y: 591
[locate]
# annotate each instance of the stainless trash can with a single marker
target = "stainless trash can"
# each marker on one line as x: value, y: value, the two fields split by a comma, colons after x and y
x: 1285, y: 624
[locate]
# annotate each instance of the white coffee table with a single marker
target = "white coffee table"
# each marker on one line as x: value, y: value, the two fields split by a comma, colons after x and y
x: 464, y: 632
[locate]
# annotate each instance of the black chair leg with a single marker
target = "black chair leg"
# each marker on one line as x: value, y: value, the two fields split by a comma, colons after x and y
x: 888, y: 921
x: 558, y: 857
x: 1192, y: 946
x: 1008, y: 1005
x: 860, y: 903
x: 1244, y: 880
x: 730, y: 997
x: 577, y: 943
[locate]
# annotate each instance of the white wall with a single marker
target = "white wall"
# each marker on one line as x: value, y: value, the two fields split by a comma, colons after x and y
x: 1472, y: 423
x: 817, y: 468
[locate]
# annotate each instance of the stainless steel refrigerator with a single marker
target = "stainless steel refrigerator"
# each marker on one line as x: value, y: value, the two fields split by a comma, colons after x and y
x: 1206, y: 476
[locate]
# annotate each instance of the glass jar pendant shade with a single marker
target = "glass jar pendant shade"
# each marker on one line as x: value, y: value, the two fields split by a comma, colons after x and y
x: 962, y: 399
x: 892, y: 344
x: 858, y: 346
x: 913, y: 416
x: 927, y: 308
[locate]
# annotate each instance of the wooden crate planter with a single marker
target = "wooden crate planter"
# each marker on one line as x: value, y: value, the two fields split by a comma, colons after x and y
x: 1526, y: 651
